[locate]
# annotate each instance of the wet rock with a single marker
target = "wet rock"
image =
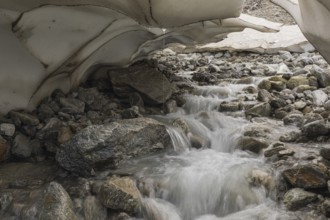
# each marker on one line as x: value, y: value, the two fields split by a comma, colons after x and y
x: 265, y: 84
x: 274, y: 149
x: 72, y: 106
x: 325, y: 153
x: 286, y: 152
x: 252, y: 144
x: 298, y: 198
x: 21, y: 147
x: 181, y: 124
x: 325, y: 207
x: 278, y: 103
x: 24, y: 118
x: 264, y: 96
x: 133, y: 79
x: 129, y: 113
x: 100, y: 146
x: 294, y: 119
x: 257, y: 131
x: 64, y: 135
x: 306, y: 177
x: 4, y: 149
x: 297, y: 81
x: 319, y: 97
x: 323, y: 77
x: 170, y: 106
x: 290, y: 136
x: 135, y: 99
x: 56, y: 204
x: 120, y: 194
x: 260, y: 110
x: 7, y: 129
x: 229, y: 107
x: 278, y: 85
x: 315, y: 129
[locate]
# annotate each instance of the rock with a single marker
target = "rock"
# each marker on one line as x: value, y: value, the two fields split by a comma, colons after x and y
x: 319, y: 97
x: 265, y: 84
x: 325, y: 207
x: 261, y: 178
x: 264, y: 95
x: 306, y: 177
x: 294, y: 119
x: 278, y: 85
x: 120, y: 194
x: 298, y: 198
x: 64, y: 135
x: 100, y: 146
x: 56, y: 204
x: 299, y: 105
x: 21, y: 147
x: 278, y: 103
x: 25, y: 118
x: 290, y: 136
x: 170, y: 106
x: 214, y: 68
x: 135, y: 99
x: 311, y: 117
x: 89, y: 95
x: 315, y: 129
x: 286, y: 152
x: 327, y: 105
x: 252, y: 144
x: 129, y: 113
x: 204, y: 77
x: 257, y: 131
x: 229, y: 107
x: 4, y: 149
x: 72, y: 106
x: 93, y: 209
x: 323, y: 77
x: 181, y: 124
x: 303, y: 88
x: 297, y: 81
x: 260, y: 110
x: 5, y: 200
x: 153, y: 86
x: 325, y: 153
x: 45, y: 111
x: 275, y: 148
x: 7, y: 129
x: 250, y: 90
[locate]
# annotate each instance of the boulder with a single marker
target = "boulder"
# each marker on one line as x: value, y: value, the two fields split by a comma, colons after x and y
x: 264, y: 95
x: 252, y: 144
x: 297, y: 81
x: 294, y: 119
x: 260, y: 110
x: 100, y: 146
x: 323, y: 77
x: 319, y: 97
x: 325, y: 153
x: 56, y: 204
x: 298, y: 198
x: 120, y: 194
x: 325, y: 207
x: 153, y: 86
x: 306, y: 177
x: 315, y: 129
x: 265, y: 84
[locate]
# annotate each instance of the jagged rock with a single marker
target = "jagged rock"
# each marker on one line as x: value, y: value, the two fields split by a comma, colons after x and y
x: 56, y: 204
x: 7, y: 129
x: 100, y: 146
x: 315, y: 129
x: 319, y: 97
x: 4, y: 149
x: 252, y: 144
x: 120, y: 194
x: 24, y: 118
x: 323, y: 77
x: 72, y: 106
x: 298, y: 198
x: 297, y: 81
x: 153, y: 86
x: 260, y: 110
x: 306, y: 177
x: 294, y: 119
x: 21, y: 147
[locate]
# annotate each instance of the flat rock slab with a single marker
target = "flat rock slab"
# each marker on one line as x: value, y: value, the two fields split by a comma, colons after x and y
x: 105, y: 146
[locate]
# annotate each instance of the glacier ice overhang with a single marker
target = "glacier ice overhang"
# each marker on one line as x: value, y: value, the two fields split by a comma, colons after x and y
x: 51, y: 44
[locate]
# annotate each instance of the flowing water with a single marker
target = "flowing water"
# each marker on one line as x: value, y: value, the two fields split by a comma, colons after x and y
x: 209, y: 183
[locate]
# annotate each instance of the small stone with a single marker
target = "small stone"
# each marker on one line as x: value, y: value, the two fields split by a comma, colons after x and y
x: 170, y: 106
x: 298, y: 198
x: 290, y: 137
x: 252, y: 144
x: 72, y: 106
x: 264, y: 95
x: 7, y: 129
x: 325, y: 153
x: 21, y: 147
x: 294, y: 119
x: 129, y: 113
x: 299, y: 105
x: 25, y: 118
x: 297, y: 81
x: 323, y: 77
x: 306, y: 177
x: 64, y: 135
x: 273, y: 151
x: 286, y: 152
x: 120, y: 194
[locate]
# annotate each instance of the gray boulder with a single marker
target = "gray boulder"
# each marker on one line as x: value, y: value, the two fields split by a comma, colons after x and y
x: 323, y: 77
x: 260, y: 110
x: 315, y: 129
x: 298, y: 198
x: 153, y: 86
x: 100, y: 146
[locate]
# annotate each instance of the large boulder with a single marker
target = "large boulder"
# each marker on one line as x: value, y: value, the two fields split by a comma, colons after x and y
x: 99, y: 146
x: 153, y: 86
x: 298, y: 198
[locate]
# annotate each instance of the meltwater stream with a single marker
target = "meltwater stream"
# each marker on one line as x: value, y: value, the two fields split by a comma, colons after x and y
x: 210, y: 183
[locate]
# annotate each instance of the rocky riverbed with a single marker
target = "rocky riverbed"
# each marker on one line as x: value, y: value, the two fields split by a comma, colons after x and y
x: 74, y: 157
